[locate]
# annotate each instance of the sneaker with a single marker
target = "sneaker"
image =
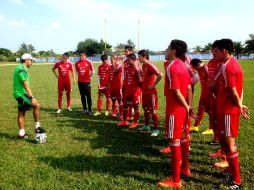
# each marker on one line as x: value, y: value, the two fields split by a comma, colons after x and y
x: 40, y: 130
x: 25, y: 136
x: 208, y: 132
x: 155, y: 133
x: 69, y: 109
x: 233, y: 185
x: 144, y: 128
x: 194, y: 129
x: 168, y: 183
x: 186, y: 172
x: 123, y: 123
x: 216, y: 154
x: 222, y: 164
x: 166, y: 150
x: 120, y: 118
x: 59, y: 111
x: 106, y: 113
x: 133, y: 125
x: 113, y: 115
x: 85, y: 111
x: 214, y: 143
x: 130, y: 118
x: 97, y: 113
x: 90, y: 113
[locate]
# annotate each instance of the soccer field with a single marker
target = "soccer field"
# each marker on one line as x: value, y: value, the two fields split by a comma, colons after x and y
x: 87, y: 152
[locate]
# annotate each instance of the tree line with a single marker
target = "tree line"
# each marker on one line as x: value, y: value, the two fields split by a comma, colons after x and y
x: 92, y: 47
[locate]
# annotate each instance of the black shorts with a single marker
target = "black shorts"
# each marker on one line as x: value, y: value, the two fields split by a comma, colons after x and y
x: 24, y: 103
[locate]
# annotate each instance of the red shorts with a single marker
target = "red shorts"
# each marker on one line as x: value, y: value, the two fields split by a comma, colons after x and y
x: 228, y: 125
x: 64, y: 85
x: 176, y: 126
x: 131, y: 99
x: 150, y: 102
x: 104, y: 91
x: 116, y: 94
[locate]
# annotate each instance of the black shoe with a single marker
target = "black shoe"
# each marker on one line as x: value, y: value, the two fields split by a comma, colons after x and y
x: 25, y: 136
x: 233, y: 185
x: 90, y: 113
x: 214, y: 143
x: 40, y: 130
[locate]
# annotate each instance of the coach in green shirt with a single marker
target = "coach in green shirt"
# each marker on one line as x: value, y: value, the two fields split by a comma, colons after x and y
x: 24, y: 96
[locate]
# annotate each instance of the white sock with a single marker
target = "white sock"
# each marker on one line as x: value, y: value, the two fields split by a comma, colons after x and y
x: 37, y: 124
x: 21, y: 132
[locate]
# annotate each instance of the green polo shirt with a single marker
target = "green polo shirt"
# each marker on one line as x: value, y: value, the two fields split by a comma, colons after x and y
x: 20, y: 74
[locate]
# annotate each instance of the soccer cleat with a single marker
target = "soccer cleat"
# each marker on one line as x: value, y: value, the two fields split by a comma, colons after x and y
x: 69, y: 109
x: 120, y: 118
x: 222, y: 164
x: 85, y: 111
x: 208, y: 132
x: 59, y: 111
x: 155, y: 133
x: 216, y: 154
x: 133, y: 125
x: 168, y: 183
x: 106, y: 113
x: 123, y: 123
x: 166, y: 150
x: 40, y: 130
x: 194, y: 129
x: 144, y: 128
x: 130, y: 118
x: 25, y: 136
x: 113, y: 115
x: 186, y: 172
x: 97, y: 113
x: 233, y: 185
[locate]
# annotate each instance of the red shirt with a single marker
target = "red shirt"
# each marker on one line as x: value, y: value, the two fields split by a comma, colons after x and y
x: 203, y: 76
x: 212, y: 69
x: 84, y: 69
x: 132, y: 79
x: 103, y: 73
x: 63, y: 69
x: 115, y: 77
x: 193, y: 75
x: 179, y: 78
x: 231, y: 76
x: 166, y: 84
x: 149, y: 73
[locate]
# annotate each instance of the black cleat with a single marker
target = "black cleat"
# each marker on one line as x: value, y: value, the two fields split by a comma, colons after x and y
x: 40, y: 130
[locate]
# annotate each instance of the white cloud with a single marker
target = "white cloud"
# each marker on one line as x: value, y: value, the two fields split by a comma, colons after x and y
x: 55, y: 25
x: 18, y: 23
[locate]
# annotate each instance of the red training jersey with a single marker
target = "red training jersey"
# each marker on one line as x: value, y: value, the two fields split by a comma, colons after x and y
x: 179, y: 78
x: 103, y: 73
x: 115, y: 78
x: 84, y: 69
x: 63, y: 69
x: 231, y: 76
x: 203, y: 76
x: 149, y: 73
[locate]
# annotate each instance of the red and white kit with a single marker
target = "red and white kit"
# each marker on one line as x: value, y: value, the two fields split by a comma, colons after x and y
x: 84, y: 69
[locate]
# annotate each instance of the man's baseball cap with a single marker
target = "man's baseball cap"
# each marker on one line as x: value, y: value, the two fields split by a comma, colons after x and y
x: 27, y: 56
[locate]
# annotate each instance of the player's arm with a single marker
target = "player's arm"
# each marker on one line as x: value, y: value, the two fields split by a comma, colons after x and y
x: 158, y: 78
x: 180, y: 99
x: 29, y: 92
x: 91, y: 70
x: 73, y: 76
x: 54, y: 70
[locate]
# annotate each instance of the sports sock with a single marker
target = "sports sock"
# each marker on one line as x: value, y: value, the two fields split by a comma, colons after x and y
x: 130, y: 111
x: 155, y: 120
x: 37, y: 124
x: 185, y: 149
x: 114, y: 106
x: 147, y: 118
x: 176, y: 161
x: 232, y: 159
x: 137, y: 113
x: 107, y: 104
x: 125, y: 113
x: 68, y: 95
x: 22, y: 132
x: 99, y: 104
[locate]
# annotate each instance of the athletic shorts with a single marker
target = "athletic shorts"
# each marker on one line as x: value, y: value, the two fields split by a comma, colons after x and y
x: 104, y: 91
x: 176, y: 126
x: 64, y: 85
x: 24, y: 103
x: 228, y: 125
x: 150, y: 102
x: 131, y: 100
x: 116, y: 94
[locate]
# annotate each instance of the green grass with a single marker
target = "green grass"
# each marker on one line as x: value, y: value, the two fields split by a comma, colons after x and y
x: 85, y: 152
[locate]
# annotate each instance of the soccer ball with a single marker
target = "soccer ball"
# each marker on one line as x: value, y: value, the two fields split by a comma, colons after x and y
x: 40, y: 137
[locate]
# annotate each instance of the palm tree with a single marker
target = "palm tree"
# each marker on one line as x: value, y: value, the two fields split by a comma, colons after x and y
x: 238, y: 48
x: 207, y: 47
x: 250, y: 44
x: 197, y: 49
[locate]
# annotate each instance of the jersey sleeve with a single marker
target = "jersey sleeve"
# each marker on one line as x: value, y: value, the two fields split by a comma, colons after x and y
x: 154, y: 69
x: 23, y: 74
x: 139, y: 73
x: 71, y: 67
x: 55, y: 66
x: 230, y: 78
x: 173, y: 78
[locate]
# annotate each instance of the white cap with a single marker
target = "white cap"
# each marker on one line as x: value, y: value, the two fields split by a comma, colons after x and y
x: 27, y: 56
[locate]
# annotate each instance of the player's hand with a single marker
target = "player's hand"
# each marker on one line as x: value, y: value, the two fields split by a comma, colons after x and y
x: 150, y: 87
x: 34, y: 102
x: 192, y: 113
x: 245, y: 112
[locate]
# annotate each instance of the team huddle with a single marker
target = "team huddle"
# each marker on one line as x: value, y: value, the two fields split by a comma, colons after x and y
x: 131, y: 81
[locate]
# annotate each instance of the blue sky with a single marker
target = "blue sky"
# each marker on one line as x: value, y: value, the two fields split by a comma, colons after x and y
x: 61, y: 24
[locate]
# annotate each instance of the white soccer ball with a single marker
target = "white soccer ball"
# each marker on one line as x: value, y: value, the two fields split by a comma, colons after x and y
x: 40, y: 137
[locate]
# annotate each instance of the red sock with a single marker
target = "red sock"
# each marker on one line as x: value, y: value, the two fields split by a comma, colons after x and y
x: 121, y: 109
x: 185, y: 149
x: 176, y: 161
x: 155, y: 120
x: 147, y: 118
x: 232, y: 159
x: 125, y: 113
x: 130, y: 111
x: 99, y: 104
x: 114, y: 107
x: 137, y: 113
x: 107, y: 104
x: 60, y: 100
x: 68, y: 97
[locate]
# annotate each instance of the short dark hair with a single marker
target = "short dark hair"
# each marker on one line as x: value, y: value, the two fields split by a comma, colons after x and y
x: 226, y: 44
x: 130, y: 48
x: 132, y: 57
x: 66, y: 54
x: 104, y: 57
x: 144, y: 53
x: 195, y: 62
x: 83, y: 52
x: 180, y: 47
x: 215, y: 43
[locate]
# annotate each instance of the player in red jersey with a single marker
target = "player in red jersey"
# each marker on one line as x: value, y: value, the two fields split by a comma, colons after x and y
x: 202, y: 70
x: 132, y: 91
x: 180, y: 97
x: 115, y: 85
x: 229, y: 106
x: 150, y: 77
x: 103, y: 82
x: 64, y: 82
x: 85, y: 72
